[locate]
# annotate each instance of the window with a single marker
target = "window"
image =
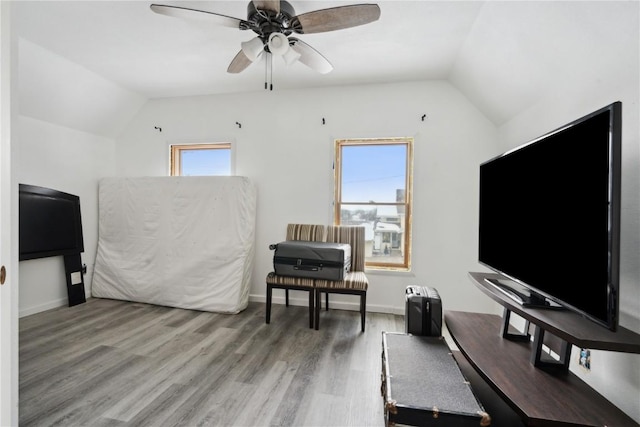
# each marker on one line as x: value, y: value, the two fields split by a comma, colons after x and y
x: 201, y: 159
x: 373, y: 188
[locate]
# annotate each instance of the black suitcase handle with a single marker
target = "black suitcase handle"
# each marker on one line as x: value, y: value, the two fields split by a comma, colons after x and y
x: 307, y: 264
x: 307, y: 267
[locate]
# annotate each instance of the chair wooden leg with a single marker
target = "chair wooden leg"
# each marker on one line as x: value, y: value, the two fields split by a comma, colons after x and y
x: 268, y: 315
x: 311, y: 307
x: 363, y: 308
x: 317, y: 309
x: 286, y: 297
x: 326, y: 297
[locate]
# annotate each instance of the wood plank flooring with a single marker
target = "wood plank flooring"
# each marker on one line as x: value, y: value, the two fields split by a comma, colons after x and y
x: 117, y: 363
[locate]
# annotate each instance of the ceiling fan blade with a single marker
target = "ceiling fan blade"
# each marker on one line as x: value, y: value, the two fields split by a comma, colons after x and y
x: 239, y: 63
x: 310, y: 57
x: 201, y: 15
x: 273, y: 5
x: 336, y: 18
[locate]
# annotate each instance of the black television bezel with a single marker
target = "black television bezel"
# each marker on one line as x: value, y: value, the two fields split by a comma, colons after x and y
x: 25, y: 189
x: 614, y: 196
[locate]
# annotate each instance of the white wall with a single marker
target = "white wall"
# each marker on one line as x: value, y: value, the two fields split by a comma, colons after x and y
x: 68, y: 160
x: 615, y: 375
x: 56, y: 90
x: 287, y: 151
x: 62, y: 141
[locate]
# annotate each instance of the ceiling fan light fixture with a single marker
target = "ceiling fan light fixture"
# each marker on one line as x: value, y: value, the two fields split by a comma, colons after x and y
x: 290, y: 56
x: 278, y: 44
x: 252, y: 48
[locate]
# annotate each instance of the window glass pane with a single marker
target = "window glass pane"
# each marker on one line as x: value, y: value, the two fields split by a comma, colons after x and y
x: 374, y: 173
x: 385, y: 227
x: 205, y: 162
x: 374, y: 190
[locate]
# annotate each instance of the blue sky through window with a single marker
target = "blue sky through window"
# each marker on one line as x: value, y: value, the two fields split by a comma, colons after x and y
x: 373, y: 172
x: 206, y: 162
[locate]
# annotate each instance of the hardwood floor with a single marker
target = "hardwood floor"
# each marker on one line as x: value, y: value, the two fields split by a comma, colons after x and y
x: 116, y: 363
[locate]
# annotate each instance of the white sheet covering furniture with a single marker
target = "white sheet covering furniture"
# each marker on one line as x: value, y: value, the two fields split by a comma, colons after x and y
x: 184, y: 242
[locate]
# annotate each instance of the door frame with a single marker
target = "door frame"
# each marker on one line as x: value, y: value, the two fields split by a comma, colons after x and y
x: 8, y: 234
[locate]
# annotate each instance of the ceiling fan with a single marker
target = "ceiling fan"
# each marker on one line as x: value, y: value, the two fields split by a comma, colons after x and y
x: 274, y: 21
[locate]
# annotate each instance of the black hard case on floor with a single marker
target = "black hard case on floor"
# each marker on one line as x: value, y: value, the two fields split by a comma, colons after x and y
x: 422, y: 384
x: 315, y: 260
x: 423, y: 311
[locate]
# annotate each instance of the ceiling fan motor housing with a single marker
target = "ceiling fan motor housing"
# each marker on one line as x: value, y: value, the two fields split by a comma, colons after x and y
x: 269, y: 21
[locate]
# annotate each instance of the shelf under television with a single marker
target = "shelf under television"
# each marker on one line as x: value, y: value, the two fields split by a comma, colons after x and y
x: 564, y: 324
x: 540, y: 398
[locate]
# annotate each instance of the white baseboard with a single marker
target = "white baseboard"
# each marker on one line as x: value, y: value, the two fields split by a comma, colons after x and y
x: 339, y: 305
x: 42, y: 307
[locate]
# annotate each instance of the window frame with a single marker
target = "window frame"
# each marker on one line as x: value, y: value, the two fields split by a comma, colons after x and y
x: 408, y: 199
x: 176, y: 150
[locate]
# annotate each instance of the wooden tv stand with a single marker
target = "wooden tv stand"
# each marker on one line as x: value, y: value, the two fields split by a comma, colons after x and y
x: 540, y: 397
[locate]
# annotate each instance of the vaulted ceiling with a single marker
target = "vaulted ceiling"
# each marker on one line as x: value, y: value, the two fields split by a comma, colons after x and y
x: 502, y: 55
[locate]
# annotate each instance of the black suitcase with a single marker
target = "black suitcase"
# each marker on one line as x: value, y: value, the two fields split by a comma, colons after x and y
x: 423, y: 311
x: 422, y: 384
x: 315, y: 260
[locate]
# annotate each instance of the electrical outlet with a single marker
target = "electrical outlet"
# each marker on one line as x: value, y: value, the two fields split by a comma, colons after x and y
x: 585, y: 359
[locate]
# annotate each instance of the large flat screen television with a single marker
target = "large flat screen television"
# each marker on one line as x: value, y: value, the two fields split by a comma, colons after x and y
x: 49, y: 222
x: 549, y: 217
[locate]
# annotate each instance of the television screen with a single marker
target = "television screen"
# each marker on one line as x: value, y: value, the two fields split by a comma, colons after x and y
x: 50, y: 223
x: 549, y: 215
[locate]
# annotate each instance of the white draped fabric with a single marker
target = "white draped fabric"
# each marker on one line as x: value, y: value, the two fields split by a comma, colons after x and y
x: 184, y: 242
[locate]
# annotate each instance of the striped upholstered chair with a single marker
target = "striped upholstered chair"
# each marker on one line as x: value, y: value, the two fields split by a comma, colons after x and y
x: 355, y: 281
x: 308, y: 232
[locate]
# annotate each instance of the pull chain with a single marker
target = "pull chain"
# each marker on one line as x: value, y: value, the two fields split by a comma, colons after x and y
x: 268, y: 71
